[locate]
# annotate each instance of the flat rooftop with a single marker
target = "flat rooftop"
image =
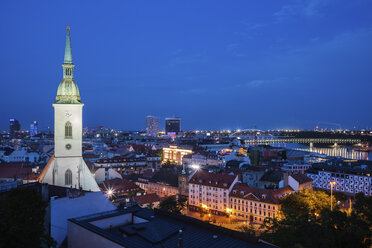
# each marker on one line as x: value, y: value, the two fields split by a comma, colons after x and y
x: 137, y: 227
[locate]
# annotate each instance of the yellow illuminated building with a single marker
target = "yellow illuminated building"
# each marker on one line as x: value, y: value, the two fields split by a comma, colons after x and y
x: 174, y: 154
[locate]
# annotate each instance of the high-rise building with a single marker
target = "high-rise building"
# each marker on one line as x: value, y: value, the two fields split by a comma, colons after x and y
x: 152, y: 125
x: 33, y: 128
x: 14, y: 128
x: 172, y: 125
x: 66, y: 167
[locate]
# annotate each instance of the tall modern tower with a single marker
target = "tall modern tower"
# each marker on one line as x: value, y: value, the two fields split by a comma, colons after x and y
x: 152, y: 125
x: 66, y: 167
x: 14, y: 128
x: 33, y: 128
x: 172, y: 125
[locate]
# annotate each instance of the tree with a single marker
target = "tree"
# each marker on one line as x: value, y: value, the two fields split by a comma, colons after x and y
x: 168, y: 164
x: 22, y: 212
x: 172, y: 205
x: 306, y: 220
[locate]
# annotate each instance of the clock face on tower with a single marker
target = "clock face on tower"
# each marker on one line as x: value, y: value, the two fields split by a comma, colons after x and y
x: 68, y: 146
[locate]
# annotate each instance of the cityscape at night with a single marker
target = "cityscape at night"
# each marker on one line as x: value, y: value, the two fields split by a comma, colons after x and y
x: 186, y: 124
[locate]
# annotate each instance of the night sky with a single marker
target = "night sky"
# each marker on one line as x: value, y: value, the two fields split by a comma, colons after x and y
x: 216, y: 64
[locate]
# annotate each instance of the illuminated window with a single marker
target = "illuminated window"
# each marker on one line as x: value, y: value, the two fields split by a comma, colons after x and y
x: 68, y: 177
x: 68, y: 130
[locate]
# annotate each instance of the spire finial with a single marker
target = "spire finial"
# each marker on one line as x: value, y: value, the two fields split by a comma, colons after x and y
x: 68, y: 54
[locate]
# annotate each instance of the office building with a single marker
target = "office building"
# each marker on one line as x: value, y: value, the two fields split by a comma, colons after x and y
x: 175, y: 154
x: 33, y: 128
x: 348, y: 179
x: 14, y: 128
x: 172, y: 125
x: 152, y: 125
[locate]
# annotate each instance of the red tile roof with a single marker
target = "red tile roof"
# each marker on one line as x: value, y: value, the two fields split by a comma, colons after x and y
x: 273, y: 196
x: 149, y: 198
x: 119, y: 185
x: 213, y: 179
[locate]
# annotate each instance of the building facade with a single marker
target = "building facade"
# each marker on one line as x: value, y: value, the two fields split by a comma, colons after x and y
x: 14, y: 128
x: 210, y: 192
x: 172, y: 125
x: 174, y: 154
x: 348, y: 180
x: 33, y: 128
x: 254, y: 205
x: 152, y: 125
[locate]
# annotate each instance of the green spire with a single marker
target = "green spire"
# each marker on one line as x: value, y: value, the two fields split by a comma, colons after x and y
x: 68, y: 91
x: 68, y: 54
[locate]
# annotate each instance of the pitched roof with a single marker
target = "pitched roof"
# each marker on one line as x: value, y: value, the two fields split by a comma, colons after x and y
x: 217, y: 180
x: 167, y: 176
x: 119, y: 185
x: 272, y: 176
x: 273, y: 196
x: 148, y: 198
x: 301, y: 178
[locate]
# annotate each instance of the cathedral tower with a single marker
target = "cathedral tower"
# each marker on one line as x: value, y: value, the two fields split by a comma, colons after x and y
x: 67, y: 168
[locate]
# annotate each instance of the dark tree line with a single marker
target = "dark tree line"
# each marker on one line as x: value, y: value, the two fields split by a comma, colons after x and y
x: 22, y: 213
x: 306, y: 220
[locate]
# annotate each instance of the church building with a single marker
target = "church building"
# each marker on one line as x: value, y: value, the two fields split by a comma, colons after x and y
x: 66, y: 167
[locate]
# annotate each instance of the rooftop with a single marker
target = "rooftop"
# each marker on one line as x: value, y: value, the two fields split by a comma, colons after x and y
x: 217, y: 180
x: 273, y: 196
x: 157, y: 228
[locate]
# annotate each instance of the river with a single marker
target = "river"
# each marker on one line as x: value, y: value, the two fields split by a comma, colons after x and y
x: 341, y: 151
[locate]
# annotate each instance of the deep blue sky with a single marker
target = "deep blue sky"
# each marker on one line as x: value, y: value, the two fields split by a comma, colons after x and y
x: 215, y: 64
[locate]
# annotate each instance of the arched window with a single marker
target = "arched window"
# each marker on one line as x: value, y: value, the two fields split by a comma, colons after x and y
x: 68, y: 177
x: 68, y: 130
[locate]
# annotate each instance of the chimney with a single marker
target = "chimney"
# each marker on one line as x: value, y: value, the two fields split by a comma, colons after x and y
x: 180, y: 240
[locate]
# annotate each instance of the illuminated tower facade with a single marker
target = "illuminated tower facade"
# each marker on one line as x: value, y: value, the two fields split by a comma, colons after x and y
x: 67, y: 167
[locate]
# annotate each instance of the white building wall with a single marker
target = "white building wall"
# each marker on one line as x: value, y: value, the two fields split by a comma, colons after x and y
x: 346, y: 183
x: 73, y: 114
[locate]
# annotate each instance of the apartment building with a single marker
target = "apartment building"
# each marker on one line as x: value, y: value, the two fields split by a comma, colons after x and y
x: 210, y: 192
x: 253, y: 204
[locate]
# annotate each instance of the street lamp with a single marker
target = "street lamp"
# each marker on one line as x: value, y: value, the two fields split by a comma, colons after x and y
x: 332, y: 183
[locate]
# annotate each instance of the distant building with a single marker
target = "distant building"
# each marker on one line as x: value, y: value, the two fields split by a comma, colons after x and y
x: 164, y: 183
x: 14, y: 128
x: 175, y: 154
x: 152, y: 125
x: 299, y: 182
x: 33, y: 128
x: 349, y: 179
x: 147, y: 200
x: 296, y: 168
x: 172, y: 125
x: 200, y: 158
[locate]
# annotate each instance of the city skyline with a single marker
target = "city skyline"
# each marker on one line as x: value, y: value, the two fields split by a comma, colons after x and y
x: 214, y: 68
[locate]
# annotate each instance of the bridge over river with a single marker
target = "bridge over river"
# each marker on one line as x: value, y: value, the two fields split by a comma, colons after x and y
x: 311, y: 141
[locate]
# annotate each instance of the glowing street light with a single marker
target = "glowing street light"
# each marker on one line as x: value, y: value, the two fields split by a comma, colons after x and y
x: 195, y: 166
x: 332, y: 183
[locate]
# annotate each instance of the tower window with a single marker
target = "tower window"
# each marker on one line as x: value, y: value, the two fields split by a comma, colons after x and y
x: 68, y: 177
x: 68, y: 130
